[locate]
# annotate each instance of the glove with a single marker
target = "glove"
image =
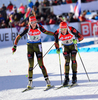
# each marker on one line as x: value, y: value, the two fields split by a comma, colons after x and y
x: 14, y: 48
x: 56, y: 45
x: 74, y: 41
x: 58, y: 51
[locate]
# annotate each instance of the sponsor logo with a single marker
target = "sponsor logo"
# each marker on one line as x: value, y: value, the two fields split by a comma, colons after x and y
x: 65, y: 38
x: 33, y: 33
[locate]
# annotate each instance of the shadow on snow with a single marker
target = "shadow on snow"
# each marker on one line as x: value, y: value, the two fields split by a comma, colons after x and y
x: 21, y: 81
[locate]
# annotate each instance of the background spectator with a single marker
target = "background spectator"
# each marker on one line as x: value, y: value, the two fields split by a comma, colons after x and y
x: 21, y: 10
x: 1, y: 18
x: 3, y: 24
x: 82, y: 17
x: 59, y: 19
x: 42, y: 22
x: 3, y: 7
x: 55, y: 2
x: 46, y: 3
x: 37, y: 3
x: 16, y: 16
x: 10, y: 6
x: 72, y: 18
x: 68, y: 1
x: 44, y: 13
x: 30, y: 4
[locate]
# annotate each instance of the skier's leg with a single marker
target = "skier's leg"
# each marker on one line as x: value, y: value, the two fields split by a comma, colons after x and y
x: 74, y: 66
x: 39, y: 55
x: 44, y: 71
x: 30, y: 56
x: 66, y: 67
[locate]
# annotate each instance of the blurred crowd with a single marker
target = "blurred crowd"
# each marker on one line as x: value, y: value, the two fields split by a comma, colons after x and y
x: 11, y: 16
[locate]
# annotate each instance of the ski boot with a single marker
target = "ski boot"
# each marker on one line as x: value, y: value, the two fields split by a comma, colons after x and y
x: 48, y: 85
x: 47, y: 82
x: 74, y: 78
x: 29, y: 84
x: 66, y: 80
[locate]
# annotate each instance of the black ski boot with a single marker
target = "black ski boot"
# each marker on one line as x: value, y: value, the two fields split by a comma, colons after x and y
x: 74, y: 78
x: 66, y: 80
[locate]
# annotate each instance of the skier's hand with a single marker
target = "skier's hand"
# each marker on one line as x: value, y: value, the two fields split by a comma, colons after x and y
x: 58, y: 51
x: 56, y: 45
x: 74, y: 41
x: 14, y: 48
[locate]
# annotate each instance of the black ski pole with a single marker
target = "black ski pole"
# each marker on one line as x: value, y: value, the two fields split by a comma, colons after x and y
x: 44, y: 55
x: 60, y: 68
x: 11, y: 32
x: 82, y: 63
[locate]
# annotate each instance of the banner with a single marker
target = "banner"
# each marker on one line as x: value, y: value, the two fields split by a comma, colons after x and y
x: 66, y: 8
x: 87, y: 28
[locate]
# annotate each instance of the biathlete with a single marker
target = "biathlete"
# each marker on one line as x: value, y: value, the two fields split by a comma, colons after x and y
x: 34, y: 45
x: 69, y: 37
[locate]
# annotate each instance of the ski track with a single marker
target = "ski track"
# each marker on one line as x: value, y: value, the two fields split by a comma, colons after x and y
x: 13, y: 76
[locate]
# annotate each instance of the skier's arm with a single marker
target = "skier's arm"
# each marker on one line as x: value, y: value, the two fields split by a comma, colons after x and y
x: 18, y: 38
x: 45, y: 31
x: 56, y: 40
x: 77, y: 34
x: 21, y: 24
x: 20, y: 35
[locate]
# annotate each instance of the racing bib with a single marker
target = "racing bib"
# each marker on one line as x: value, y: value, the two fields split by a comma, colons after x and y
x: 34, y: 35
x: 67, y: 41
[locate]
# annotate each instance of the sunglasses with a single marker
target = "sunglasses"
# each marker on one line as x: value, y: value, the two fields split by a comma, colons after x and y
x: 63, y: 29
x: 33, y: 22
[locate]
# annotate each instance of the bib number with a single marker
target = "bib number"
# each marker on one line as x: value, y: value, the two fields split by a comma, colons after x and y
x: 35, y: 38
x: 67, y: 41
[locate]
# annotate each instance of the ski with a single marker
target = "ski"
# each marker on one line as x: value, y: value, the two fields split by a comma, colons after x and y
x: 47, y: 88
x: 27, y: 89
x: 72, y: 85
x: 61, y: 87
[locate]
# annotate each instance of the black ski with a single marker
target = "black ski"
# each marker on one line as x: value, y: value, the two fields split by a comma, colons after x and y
x: 72, y: 85
x: 47, y: 88
x: 27, y: 89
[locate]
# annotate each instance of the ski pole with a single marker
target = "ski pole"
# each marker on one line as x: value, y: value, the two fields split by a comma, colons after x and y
x: 44, y: 55
x: 11, y: 32
x: 60, y: 68
x: 82, y: 63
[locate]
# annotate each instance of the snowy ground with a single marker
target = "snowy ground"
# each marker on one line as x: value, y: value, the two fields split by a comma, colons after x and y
x: 13, y: 76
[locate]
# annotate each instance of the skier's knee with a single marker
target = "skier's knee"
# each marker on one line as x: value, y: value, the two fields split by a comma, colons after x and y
x: 67, y: 64
x: 42, y: 67
x: 73, y: 61
x: 29, y: 56
x: 74, y: 51
x: 65, y: 54
x: 73, y: 55
x: 39, y: 56
x: 30, y: 68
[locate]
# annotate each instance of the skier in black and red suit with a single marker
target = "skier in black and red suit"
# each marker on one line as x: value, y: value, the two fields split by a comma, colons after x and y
x: 69, y: 37
x: 34, y: 45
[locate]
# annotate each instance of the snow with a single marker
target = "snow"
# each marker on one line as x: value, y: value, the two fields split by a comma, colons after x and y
x: 13, y: 75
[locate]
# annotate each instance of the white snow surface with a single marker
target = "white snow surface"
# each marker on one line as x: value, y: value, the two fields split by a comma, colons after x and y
x: 14, y: 69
